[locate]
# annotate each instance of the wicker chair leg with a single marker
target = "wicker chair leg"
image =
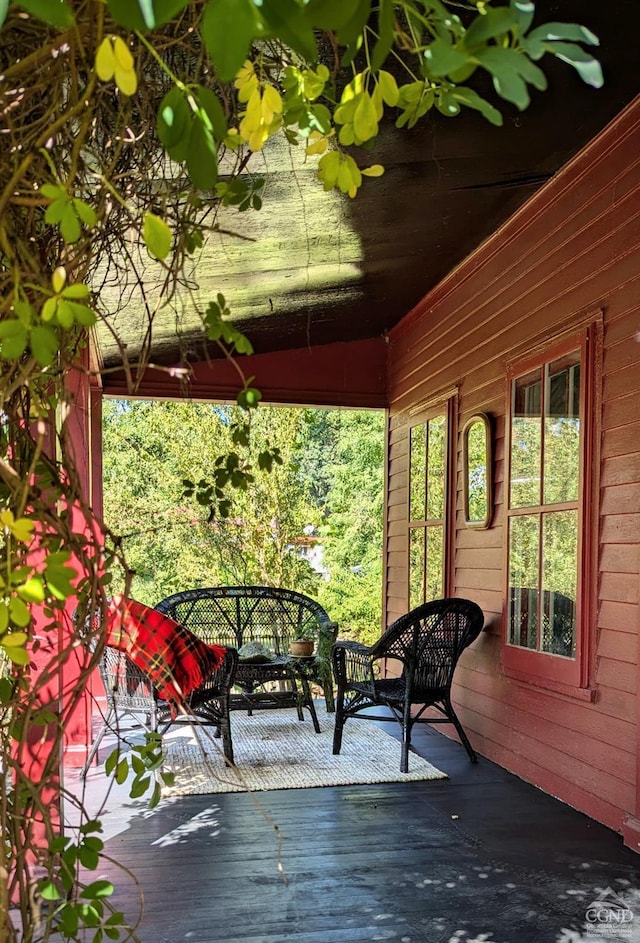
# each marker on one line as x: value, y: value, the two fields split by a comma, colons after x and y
x: 339, y: 724
x: 406, y: 737
x: 227, y: 743
x: 96, y: 743
x: 460, y: 730
x: 329, y: 699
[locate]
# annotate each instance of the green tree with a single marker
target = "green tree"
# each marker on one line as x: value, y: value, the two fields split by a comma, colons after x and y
x: 345, y: 461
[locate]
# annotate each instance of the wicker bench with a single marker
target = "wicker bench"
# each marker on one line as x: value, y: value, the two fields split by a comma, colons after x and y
x: 236, y: 615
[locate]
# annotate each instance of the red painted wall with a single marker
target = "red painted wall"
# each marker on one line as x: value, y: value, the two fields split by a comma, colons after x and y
x: 331, y: 375
x: 571, y: 253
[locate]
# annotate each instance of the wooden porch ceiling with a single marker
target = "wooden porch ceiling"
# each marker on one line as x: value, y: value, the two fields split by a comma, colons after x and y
x: 315, y: 268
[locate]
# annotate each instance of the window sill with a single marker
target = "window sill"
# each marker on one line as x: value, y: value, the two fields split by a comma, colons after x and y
x: 548, y: 684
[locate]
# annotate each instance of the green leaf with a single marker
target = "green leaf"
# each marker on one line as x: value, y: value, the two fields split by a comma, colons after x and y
x: 354, y: 26
x: 571, y: 31
x: 144, y: 14
x: 586, y: 66
x: 53, y: 191
x: 32, y: 590
x: 4, y: 8
x: 511, y: 70
x: 386, y: 34
x: 58, y: 576
x: 49, y: 891
x: 69, y: 224
x: 157, y: 236
x: 13, y: 339
x: 89, y: 858
x: 441, y: 58
x: 15, y: 640
x: 81, y: 313
x: 85, y: 212
x: 365, y: 121
x: 228, y: 28
x: 55, y: 211
x: 77, y: 290
x: 202, y: 157
x: 210, y: 103
x: 64, y: 314
x: 19, y: 612
x: 174, y: 121
x: 388, y: 88
x: 331, y: 14
x: 139, y: 787
x: 19, y: 656
x: 494, y: 22
x: 54, y: 12
x: 288, y: 22
x: 98, y: 889
x: 44, y: 345
x: 111, y: 762
x: 6, y: 691
x: 122, y: 771
x: 470, y: 98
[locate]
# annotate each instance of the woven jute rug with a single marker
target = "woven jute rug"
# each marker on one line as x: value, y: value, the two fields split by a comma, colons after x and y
x: 275, y: 750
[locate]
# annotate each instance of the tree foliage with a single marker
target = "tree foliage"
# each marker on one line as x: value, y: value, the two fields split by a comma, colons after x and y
x: 329, y: 488
x: 172, y: 541
x: 125, y: 125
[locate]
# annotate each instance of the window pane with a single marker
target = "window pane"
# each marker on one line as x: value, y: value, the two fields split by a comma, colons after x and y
x: 417, y: 565
x: 477, y: 472
x: 436, y: 478
x: 526, y: 441
x: 559, y: 582
x: 435, y: 563
x: 418, y: 473
x: 562, y: 430
x: 524, y: 548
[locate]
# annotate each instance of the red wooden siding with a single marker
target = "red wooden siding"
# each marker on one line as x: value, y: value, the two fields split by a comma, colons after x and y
x: 570, y: 255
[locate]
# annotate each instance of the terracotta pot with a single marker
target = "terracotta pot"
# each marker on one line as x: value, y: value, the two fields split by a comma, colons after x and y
x: 301, y: 648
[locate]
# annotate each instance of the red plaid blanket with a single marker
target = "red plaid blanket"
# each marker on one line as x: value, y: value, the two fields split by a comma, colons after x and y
x: 174, y: 659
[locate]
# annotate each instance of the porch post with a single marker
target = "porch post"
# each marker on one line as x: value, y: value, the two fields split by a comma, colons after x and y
x: 83, y: 436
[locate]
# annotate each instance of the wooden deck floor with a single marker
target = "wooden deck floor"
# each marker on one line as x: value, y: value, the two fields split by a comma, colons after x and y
x: 478, y: 858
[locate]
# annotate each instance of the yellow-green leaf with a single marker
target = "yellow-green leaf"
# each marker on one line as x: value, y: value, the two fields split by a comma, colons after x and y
x: 105, y: 60
x: 376, y: 170
x: 15, y: 639
x: 157, y: 236
x: 388, y: 88
x: 126, y: 80
x: 22, y: 528
x: 19, y: 613
x: 122, y: 54
x: 59, y: 278
x: 365, y: 120
x: 19, y: 656
x: 32, y: 590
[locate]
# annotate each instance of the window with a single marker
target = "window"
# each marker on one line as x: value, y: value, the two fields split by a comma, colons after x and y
x: 427, y: 509
x: 546, y: 502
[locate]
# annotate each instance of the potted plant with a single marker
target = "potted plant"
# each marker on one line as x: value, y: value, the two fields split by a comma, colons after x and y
x: 303, y: 641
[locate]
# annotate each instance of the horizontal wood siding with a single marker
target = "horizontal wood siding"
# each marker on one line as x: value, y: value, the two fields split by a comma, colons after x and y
x: 571, y: 253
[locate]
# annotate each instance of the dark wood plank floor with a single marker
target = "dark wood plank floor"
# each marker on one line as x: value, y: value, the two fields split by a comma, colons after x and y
x: 478, y: 858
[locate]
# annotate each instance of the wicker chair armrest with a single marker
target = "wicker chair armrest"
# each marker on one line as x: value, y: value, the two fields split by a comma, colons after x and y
x: 220, y: 680
x: 352, y: 662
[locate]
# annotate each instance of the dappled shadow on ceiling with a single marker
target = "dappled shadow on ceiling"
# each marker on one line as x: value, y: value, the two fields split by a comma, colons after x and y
x: 315, y: 268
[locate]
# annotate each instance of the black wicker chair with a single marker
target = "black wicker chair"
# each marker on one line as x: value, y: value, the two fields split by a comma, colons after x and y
x: 427, y: 642
x: 130, y: 692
